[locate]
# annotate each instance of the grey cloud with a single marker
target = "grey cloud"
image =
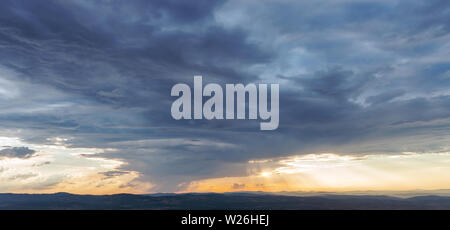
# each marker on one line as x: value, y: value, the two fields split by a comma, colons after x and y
x: 111, y: 174
x: 385, y: 97
x: 42, y: 164
x: 22, y: 176
x: 355, y: 77
x: 17, y: 152
x: 238, y: 186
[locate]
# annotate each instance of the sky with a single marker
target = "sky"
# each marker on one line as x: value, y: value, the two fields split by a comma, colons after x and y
x: 85, y: 95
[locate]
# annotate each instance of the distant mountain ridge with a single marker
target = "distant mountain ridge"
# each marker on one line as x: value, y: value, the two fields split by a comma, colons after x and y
x: 212, y: 201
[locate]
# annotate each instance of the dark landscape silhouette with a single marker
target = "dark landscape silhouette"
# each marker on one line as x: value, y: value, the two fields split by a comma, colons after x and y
x: 213, y: 201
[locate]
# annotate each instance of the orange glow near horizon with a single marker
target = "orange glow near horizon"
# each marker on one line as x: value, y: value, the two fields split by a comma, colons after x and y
x: 337, y: 173
x: 59, y: 168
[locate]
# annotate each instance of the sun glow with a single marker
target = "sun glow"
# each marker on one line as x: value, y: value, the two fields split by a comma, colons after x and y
x: 335, y: 172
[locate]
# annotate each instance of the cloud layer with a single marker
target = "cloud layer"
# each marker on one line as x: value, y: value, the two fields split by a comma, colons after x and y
x: 355, y: 77
x: 17, y: 152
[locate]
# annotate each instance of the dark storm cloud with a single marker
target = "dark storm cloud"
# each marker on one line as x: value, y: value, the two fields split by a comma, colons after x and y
x: 374, y: 78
